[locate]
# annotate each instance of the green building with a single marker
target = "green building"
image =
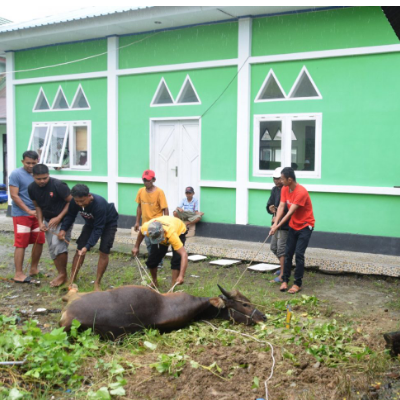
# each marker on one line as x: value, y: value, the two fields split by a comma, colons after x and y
x: 217, y: 98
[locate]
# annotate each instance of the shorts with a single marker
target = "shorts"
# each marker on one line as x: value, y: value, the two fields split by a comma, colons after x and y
x: 57, y: 246
x: 158, y: 252
x: 188, y: 215
x: 278, y: 242
x: 26, y: 231
x: 106, y: 238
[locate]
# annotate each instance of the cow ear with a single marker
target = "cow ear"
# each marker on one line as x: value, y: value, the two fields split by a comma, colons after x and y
x: 217, y: 302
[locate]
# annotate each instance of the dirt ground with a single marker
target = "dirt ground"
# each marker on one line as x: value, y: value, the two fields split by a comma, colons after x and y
x: 228, y: 362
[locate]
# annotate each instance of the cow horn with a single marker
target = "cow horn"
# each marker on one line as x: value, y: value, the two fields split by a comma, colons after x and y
x: 224, y: 292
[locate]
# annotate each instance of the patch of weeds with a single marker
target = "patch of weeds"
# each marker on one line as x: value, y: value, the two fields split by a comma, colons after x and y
x: 172, y: 364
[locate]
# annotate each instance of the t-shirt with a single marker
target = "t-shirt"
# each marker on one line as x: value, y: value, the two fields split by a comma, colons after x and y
x: 173, y: 228
x: 304, y: 215
x: 21, y: 179
x: 98, y: 214
x: 50, y: 198
x: 189, y: 205
x: 152, y: 204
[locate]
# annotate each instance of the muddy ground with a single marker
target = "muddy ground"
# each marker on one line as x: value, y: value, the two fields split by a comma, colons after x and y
x: 371, y: 305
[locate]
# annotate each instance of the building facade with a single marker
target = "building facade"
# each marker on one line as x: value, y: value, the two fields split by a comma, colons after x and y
x: 218, y: 105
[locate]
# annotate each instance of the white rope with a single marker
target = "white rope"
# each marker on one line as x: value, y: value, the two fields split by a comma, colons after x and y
x: 79, y: 60
x: 172, y: 289
x: 141, y: 268
x: 259, y: 341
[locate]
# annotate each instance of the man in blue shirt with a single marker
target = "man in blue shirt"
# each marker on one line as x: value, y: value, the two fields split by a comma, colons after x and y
x: 26, y: 225
x: 188, y: 209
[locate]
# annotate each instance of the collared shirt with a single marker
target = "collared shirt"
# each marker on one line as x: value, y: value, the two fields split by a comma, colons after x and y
x: 189, y: 205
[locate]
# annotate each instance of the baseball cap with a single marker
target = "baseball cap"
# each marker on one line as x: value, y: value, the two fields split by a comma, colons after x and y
x: 155, y: 232
x: 277, y: 172
x: 189, y: 189
x: 148, y: 174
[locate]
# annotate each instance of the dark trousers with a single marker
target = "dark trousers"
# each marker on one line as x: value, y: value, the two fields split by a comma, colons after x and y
x: 297, y: 242
x: 158, y: 252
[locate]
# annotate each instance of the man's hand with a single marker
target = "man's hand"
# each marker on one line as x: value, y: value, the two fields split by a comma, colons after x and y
x: 179, y: 280
x: 179, y: 209
x: 272, y: 208
x: 274, y: 227
x: 135, y: 251
x: 43, y: 227
x: 61, y: 235
x: 53, y: 223
x: 82, y: 252
x: 136, y: 227
x: 273, y: 219
x: 32, y: 213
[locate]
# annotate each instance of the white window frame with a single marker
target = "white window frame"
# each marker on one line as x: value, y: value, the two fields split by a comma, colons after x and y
x: 286, y: 148
x: 55, y: 99
x: 80, y: 88
x: 41, y: 91
x: 304, y: 70
x: 69, y: 134
x: 178, y: 98
x: 153, y: 104
x: 258, y: 97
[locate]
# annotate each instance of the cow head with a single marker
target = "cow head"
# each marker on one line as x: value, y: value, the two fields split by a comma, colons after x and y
x: 239, y: 307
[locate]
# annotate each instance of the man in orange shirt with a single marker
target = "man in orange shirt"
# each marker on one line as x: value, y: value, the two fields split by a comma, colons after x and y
x: 162, y: 232
x: 301, y: 226
x: 151, y: 204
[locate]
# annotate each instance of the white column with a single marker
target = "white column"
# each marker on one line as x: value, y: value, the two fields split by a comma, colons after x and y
x: 112, y: 119
x: 243, y: 121
x: 10, y: 102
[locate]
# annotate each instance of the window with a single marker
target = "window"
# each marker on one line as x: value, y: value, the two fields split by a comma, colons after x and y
x: 41, y: 103
x: 60, y: 102
x: 271, y: 89
x: 80, y: 101
x: 284, y: 140
x: 162, y: 96
x: 304, y: 87
x: 187, y: 94
x: 62, y: 144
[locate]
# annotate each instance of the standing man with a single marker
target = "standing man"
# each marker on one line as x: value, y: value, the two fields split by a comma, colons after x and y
x: 26, y: 226
x: 151, y: 204
x: 51, y: 198
x: 301, y: 226
x: 278, y: 241
x: 162, y: 232
x: 101, y: 220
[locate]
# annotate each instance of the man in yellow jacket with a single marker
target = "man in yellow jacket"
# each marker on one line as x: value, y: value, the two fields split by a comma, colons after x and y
x: 162, y: 232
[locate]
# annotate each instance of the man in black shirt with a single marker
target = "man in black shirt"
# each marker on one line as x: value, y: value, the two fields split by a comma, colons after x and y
x: 278, y: 241
x: 101, y: 219
x: 51, y: 198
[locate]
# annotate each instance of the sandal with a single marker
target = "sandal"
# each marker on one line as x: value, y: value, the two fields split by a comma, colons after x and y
x: 283, y: 287
x: 294, y: 289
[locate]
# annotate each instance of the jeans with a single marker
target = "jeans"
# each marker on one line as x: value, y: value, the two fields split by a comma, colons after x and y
x: 297, y: 242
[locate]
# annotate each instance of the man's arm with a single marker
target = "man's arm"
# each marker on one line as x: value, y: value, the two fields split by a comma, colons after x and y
x: 166, y: 211
x: 39, y: 216
x: 138, y: 216
x: 281, y: 210
x: 53, y: 223
x: 135, y: 250
x: 68, y: 220
x: 271, y: 209
x: 14, y: 193
x: 184, y: 263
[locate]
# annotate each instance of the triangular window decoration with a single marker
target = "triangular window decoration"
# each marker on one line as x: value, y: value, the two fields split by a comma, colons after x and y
x: 60, y: 102
x: 80, y: 100
x: 266, y: 135
x: 163, y: 95
x: 41, y: 103
x: 271, y: 89
x: 187, y: 94
x: 304, y: 87
x: 278, y: 135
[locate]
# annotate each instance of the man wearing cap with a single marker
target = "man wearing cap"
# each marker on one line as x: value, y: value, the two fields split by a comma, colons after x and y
x: 162, y: 232
x: 151, y: 203
x: 278, y: 241
x: 188, y: 209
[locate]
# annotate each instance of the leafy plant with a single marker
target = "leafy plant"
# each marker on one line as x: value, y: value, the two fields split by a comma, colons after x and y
x: 170, y: 363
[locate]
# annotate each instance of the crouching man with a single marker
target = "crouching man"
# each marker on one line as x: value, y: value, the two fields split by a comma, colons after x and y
x: 162, y: 232
x: 101, y: 220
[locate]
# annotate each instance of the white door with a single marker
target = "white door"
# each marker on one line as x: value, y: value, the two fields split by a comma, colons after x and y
x: 175, y: 158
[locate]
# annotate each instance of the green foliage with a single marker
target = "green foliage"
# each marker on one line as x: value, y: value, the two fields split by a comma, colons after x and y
x: 170, y: 363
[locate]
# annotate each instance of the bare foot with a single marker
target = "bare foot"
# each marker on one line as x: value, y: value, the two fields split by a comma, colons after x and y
x: 97, y: 287
x: 58, y: 281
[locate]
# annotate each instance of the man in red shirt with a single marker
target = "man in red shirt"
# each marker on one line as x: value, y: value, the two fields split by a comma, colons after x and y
x: 301, y: 226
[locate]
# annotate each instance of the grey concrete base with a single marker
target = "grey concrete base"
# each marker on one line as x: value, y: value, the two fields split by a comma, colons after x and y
x: 330, y: 261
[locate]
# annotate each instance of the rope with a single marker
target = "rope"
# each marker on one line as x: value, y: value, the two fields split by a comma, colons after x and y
x: 252, y: 260
x: 140, y: 268
x: 257, y: 340
x: 172, y: 289
x: 76, y: 268
x: 55, y: 234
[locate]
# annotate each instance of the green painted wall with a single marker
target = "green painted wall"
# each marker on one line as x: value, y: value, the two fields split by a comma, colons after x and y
x: 200, y: 43
x: 218, y: 125
x: 257, y: 213
x: 321, y: 30
x: 96, y: 93
x: 126, y: 198
x: 218, y: 205
x: 360, y: 109
x: 94, y: 187
x: 58, y: 54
